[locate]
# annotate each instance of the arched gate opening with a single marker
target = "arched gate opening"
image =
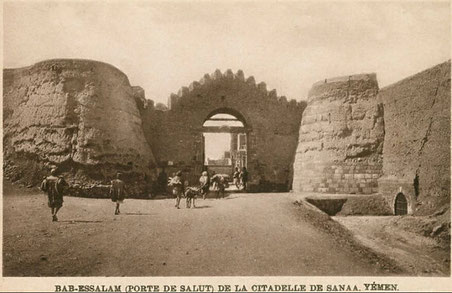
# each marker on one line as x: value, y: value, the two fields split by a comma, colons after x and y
x: 225, y: 146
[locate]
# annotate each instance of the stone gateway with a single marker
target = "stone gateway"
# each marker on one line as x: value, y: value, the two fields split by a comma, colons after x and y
x: 348, y: 137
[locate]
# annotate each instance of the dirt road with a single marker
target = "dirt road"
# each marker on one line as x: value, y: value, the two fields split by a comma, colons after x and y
x: 241, y: 235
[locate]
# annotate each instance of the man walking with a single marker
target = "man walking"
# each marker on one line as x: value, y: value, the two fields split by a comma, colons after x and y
x: 178, y: 187
x: 54, y: 186
x: 117, y: 192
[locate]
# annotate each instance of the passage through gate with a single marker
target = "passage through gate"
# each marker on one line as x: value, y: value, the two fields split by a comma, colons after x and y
x: 225, y: 143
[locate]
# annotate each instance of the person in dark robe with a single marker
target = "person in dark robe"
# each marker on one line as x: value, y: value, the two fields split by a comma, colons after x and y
x: 117, y: 192
x: 54, y: 187
x: 244, y: 178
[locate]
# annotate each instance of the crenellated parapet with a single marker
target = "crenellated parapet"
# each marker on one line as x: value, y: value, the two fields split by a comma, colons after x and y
x: 229, y: 78
x: 271, y: 123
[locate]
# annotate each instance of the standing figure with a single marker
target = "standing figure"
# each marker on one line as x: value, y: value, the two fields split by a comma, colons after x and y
x: 204, y: 182
x: 244, y: 178
x: 236, y: 177
x: 178, y: 187
x: 218, y: 185
x: 54, y: 186
x: 117, y: 192
x: 221, y: 187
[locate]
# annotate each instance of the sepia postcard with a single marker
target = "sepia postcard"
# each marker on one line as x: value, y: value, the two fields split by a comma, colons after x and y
x: 226, y: 146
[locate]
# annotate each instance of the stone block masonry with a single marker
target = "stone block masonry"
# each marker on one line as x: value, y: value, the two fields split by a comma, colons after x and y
x: 341, y: 137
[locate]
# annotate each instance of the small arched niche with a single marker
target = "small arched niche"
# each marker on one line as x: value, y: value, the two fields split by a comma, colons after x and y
x: 400, y: 205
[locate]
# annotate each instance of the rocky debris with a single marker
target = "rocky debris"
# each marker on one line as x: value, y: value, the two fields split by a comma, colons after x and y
x: 405, y: 239
x: 79, y: 115
x: 437, y: 229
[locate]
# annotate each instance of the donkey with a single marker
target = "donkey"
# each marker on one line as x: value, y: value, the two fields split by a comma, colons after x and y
x: 190, y: 194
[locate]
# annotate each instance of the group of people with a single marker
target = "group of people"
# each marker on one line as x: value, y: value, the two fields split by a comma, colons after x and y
x: 217, y: 182
x: 181, y: 188
x: 55, y: 187
x: 240, y: 178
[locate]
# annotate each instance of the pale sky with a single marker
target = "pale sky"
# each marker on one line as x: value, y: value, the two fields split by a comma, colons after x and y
x: 216, y: 144
x: 162, y: 46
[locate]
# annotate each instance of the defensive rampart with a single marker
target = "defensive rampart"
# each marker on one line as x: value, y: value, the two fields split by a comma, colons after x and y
x: 417, y: 140
x: 79, y: 115
x: 341, y: 137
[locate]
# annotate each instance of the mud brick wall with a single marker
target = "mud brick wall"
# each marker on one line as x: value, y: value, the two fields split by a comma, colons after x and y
x: 271, y: 124
x: 79, y: 115
x: 341, y: 137
x: 417, y: 140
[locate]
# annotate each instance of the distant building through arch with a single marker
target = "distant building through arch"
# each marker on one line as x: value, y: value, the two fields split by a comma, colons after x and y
x: 269, y: 132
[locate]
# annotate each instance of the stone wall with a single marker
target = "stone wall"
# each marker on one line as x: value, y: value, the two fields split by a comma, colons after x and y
x: 85, y: 117
x: 79, y: 115
x: 341, y: 137
x: 271, y: 124
x: 417, y: 140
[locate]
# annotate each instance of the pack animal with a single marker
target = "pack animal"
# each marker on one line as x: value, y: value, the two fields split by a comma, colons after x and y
x: 191, y: 193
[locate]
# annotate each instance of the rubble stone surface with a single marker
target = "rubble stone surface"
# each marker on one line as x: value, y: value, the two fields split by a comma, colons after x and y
x: 79, y: 115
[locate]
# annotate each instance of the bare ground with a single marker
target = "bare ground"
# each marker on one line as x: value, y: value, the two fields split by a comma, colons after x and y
x: 243, y: 234
x: 415, y: 253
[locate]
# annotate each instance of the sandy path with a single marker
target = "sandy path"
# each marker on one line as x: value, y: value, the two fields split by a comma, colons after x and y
x: 243, y: 234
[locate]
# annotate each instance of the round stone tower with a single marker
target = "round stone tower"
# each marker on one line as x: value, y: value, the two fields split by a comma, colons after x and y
x: 341, y: 137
